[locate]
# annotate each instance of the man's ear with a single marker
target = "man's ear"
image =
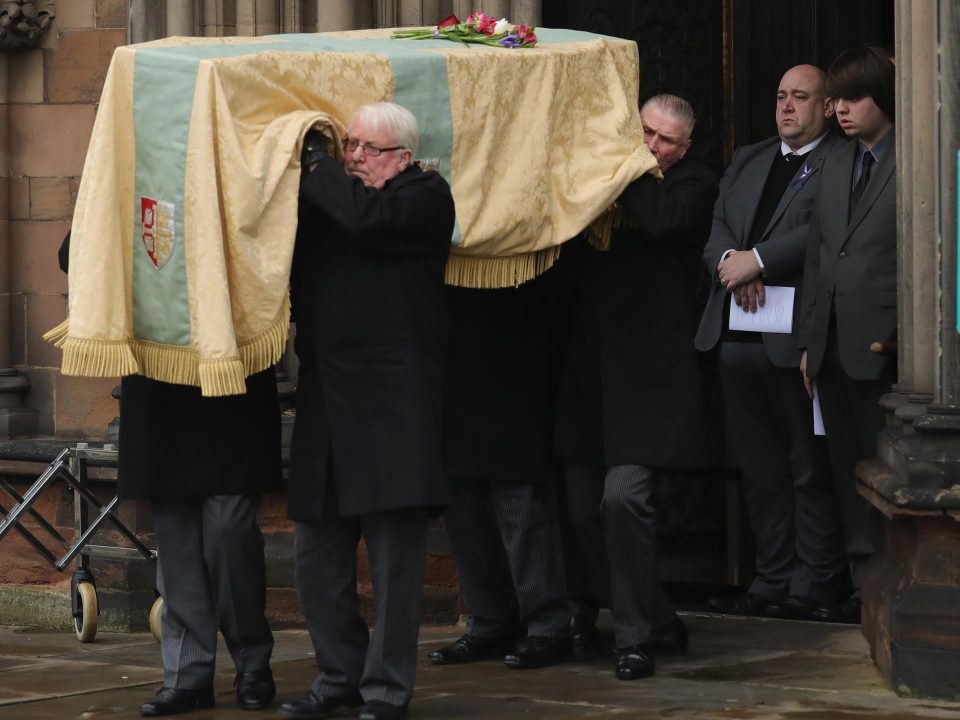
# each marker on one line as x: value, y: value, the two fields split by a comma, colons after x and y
x: 829, y: 107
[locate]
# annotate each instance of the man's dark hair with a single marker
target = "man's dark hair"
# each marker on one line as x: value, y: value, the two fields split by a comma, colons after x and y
x: 867, y: 71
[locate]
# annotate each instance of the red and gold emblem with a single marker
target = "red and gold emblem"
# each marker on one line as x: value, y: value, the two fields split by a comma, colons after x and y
x: 157, y: 229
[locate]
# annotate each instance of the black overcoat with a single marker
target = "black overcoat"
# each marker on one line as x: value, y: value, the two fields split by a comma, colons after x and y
x: 632, y: 390
x: 176, y: 443
x: 367, y: 286
x: 506, y: 353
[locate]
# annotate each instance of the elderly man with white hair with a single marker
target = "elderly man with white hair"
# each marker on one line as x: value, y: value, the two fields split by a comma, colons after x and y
x: 367, y: 286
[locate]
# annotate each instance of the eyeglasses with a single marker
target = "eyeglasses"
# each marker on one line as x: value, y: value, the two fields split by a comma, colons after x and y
x: 351, y: 144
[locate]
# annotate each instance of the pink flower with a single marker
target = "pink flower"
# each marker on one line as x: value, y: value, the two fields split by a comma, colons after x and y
x: 529, y: 39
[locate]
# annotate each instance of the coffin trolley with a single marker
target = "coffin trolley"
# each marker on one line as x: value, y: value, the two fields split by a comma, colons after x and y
x: 71, y: 466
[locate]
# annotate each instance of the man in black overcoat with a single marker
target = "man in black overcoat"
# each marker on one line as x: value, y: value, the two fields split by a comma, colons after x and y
x: 759, y: 237
x: 203, y: 463
x: 631, y: 398
x: 367, y: 285
x: 506, y: 349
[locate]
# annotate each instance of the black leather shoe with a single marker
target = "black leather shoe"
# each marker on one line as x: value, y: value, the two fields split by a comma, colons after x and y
x: 173, y: 701
x: 745, y: 604
x: 795, y: 607
x: 846, y: 612
x: 470, y: 648
x: 380, y: 710
x: 255, y: 690
x: 670, y: 639
x: 634, y: 663
x: 588, y: 641
x: 535, y: 651
x: 313, y: 707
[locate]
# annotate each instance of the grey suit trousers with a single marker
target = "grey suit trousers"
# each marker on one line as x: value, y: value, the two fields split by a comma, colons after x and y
x: 210, y: 572
x: 380, y: 665
x: 615, y: 522
x: 787, y: 484
x: 503, y: 540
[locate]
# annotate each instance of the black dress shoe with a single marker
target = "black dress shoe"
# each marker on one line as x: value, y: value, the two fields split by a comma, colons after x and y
x: 535, y: 651
x: 470, y: 648
x: 588, y: 641
x: 670, y: 639
x: 846, y: 612
x: 255, y: 690
x: 313, y: 707
x: 745, y: 604
x: 380, y: 710
x: 173, y: 701
x: 795, y: 607
x: 634, y: 663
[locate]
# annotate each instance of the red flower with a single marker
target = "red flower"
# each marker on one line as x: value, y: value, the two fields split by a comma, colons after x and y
x: 529, y: 39
x: 452, y: 20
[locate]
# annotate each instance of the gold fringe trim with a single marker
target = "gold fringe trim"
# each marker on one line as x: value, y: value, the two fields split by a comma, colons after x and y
x: 97, y: 358
x: 498, y: 272
x: 178, y: 365
x: 600, y: 231
x: 263, y: 350
x: 222, y: 377
x: 56, y: 336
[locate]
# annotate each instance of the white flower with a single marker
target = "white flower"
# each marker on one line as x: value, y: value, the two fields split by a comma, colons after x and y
x: 503, y: 26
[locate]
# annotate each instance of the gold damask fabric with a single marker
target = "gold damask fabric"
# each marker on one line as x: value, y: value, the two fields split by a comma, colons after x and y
x: 186, y: 216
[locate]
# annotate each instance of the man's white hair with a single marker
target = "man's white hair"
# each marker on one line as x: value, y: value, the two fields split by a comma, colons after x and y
x: 398, y: 122
x: 676, y: 106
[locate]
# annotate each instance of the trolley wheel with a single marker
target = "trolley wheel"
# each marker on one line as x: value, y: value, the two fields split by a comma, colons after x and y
x: 86, y: 623
x: 156, y: 614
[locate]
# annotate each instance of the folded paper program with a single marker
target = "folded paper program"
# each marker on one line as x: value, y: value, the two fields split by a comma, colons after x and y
x: 185, y: 221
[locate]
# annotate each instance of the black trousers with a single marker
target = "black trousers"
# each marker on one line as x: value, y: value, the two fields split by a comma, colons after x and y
x: 787, y: 484
x: 615, y: 523
x: 504, y: 540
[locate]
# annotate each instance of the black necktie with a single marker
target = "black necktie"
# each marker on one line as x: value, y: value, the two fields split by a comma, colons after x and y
x: 861, y: 185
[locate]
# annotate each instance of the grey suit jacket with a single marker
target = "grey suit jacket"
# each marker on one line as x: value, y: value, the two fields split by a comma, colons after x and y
x: 782, y: 247
x: 852, y: 265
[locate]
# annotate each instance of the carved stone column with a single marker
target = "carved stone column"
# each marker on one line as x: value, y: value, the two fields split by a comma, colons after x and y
x: 527, y: 12
x: 334, y: 15
x: 911, y: 592
x: 182, y: 18
x: 258, y: 17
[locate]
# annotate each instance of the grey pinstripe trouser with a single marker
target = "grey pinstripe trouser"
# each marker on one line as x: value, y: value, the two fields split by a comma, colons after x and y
x: 210, y: 572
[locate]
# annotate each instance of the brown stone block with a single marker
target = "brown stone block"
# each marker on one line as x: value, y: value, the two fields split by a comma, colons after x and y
x: 83, y: 406
x: 49, y: 140
x: 73, y: 14
x: 26, y: 77
x: 112, y: 14
x: 5, y: 153
x: 40, y: 397
x: 18, y: 321
x: 19, y: 198
x: 76, y: 71
x: 43, y: 313
x: 33, y: 256
x: 53, y: 198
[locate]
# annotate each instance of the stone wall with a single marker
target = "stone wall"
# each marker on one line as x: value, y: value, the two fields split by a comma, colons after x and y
x: 51, y: 96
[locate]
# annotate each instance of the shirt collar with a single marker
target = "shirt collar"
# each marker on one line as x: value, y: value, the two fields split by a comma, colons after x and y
x: 785, y: 149
x: 880, y: 148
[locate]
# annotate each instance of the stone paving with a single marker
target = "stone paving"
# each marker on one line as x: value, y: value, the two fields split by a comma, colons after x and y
x: 737, y: 668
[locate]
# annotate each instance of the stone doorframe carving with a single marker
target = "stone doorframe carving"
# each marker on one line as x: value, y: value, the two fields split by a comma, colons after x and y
x: 24, y: 22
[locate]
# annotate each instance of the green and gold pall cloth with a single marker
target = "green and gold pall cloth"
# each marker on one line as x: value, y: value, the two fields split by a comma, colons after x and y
x: 185, y: 221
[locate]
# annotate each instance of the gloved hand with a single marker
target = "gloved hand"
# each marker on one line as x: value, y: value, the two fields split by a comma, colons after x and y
x: 313, y: 148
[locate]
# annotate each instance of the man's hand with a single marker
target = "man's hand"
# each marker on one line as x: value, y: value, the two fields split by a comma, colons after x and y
x: 750, y: 296
x: 738, y: 267
x: 807, y: 382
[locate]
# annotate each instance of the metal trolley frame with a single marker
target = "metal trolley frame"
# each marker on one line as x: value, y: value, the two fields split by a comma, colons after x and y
x: 70, y: 465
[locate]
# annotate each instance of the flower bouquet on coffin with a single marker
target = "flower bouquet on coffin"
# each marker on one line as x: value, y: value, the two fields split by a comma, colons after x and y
x: 478, y: 28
